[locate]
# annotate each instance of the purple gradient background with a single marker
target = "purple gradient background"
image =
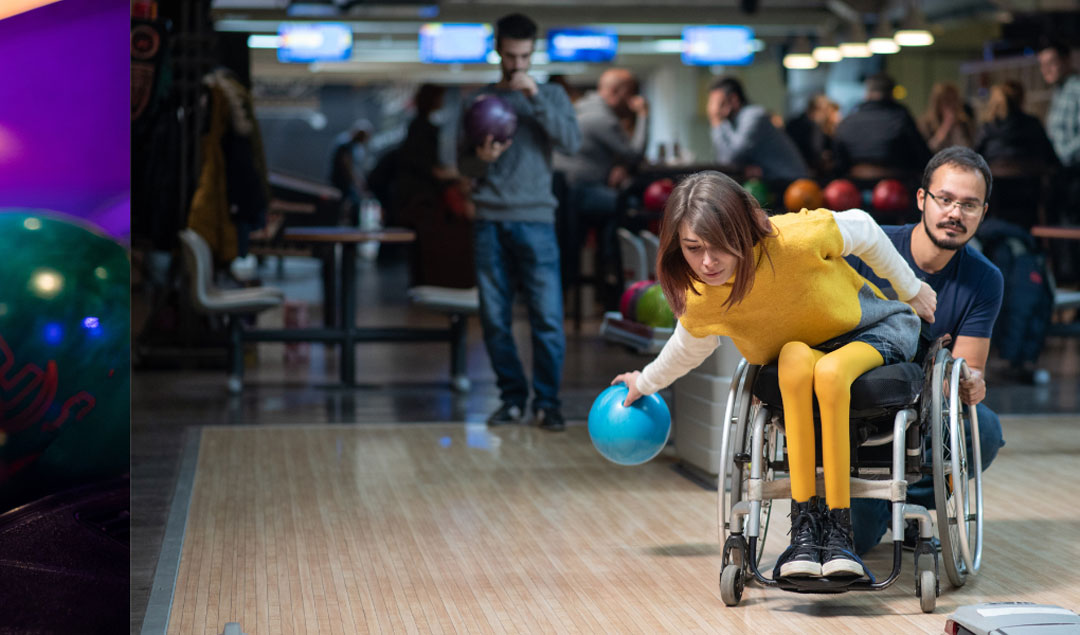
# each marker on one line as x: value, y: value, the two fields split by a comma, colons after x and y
x: 65, y: 114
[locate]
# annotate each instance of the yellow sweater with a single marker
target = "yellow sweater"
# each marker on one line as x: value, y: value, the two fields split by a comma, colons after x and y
x: 808, y: 293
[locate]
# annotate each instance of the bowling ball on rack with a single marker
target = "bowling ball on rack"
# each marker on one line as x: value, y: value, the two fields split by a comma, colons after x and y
x: 489, y: 115
x: 842, y: 194
x: 653, y: 310
x: 628, y: 436
x: 757, y: 189
x: 890, y: 195
x: 656, y: 194
x: 628, y: 301
x: 803, y: 194
x: 64, y: 355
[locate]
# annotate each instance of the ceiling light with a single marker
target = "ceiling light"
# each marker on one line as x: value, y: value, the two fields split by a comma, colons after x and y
x: 800, y: 58
x: 882, y: 43
x: 826, y: 51
x: 914, y: 31
x: 854, y: 45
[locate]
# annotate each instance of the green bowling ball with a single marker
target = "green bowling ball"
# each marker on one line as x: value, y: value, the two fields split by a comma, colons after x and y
x: 65, y: 356
x: 757, y: 189
x: 653, y: 310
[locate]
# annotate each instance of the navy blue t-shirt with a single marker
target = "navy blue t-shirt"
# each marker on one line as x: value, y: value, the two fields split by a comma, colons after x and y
x: 969, y: 288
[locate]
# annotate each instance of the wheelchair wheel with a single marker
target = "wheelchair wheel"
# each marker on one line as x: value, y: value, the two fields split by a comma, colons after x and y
x: 738, y: 442
x: 957, y: 477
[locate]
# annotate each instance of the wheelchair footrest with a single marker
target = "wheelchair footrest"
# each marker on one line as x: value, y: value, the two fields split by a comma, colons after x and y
x: 821, y: 585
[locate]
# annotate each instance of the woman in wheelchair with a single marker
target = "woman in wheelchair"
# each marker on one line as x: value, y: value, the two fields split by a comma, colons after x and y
x: 780, y: 288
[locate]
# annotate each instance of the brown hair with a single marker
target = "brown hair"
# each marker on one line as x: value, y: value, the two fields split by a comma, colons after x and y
x: 1005, y: 99
x: 722, y: 214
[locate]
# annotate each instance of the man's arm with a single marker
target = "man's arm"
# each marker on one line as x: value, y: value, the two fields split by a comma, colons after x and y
x: 555, y: 114
x: 974, y: 350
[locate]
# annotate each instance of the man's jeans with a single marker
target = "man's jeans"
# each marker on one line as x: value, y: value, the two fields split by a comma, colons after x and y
x: 509, y: 256
x: 871, y: 517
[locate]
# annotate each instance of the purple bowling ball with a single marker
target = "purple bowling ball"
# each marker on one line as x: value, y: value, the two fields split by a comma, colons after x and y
x: 489, y: 115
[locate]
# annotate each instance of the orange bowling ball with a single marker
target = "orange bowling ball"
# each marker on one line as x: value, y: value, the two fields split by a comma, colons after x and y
x: 803, y: 194
x: 841, y: 194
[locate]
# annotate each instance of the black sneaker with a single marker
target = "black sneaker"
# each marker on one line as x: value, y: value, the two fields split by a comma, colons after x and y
x: 803, y: 557
x: 550, y: 419
x: 507, y: 413
x: 911, y: 537
x: 838, y: 555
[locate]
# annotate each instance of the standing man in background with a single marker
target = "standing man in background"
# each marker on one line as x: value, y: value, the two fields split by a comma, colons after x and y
x: 516, y: 245
x: 1063, y: 128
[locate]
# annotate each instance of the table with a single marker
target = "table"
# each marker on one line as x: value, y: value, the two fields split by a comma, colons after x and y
x: 346, y: 334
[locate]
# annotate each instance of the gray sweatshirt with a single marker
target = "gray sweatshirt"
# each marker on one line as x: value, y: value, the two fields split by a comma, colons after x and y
x: 749, y: 138
x: 517, y: 186
x: 604, y: 143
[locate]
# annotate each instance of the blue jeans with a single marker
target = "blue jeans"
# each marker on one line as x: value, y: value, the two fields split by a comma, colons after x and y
x: 510, y: 255
x: 871, y: 517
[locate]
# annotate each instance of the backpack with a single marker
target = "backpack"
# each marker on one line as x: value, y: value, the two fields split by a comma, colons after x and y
x: 1028, y: 302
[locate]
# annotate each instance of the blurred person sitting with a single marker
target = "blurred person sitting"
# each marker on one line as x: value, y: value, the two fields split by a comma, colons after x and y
x: 945, y: 122
x: 743, y: 135
x: 812, y: 130
x: 608, y: 154
x: 880, y: 132
x: 1012, y: 135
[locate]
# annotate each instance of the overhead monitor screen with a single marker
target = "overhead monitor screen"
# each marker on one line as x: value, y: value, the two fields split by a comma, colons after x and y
x: 717, y: 45
x: 446, y: 43
x: 310, y: 42
x: 581, y: 45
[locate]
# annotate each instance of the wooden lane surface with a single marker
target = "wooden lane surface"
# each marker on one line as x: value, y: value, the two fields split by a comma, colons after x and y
x: 1052, y: 231
x: 340, y: 234
x: 455, y: 528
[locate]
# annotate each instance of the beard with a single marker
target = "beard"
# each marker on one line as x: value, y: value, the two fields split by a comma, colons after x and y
x: 952, y: 244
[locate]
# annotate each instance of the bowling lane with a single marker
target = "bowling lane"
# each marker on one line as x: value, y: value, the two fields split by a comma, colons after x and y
x: 457, y: 527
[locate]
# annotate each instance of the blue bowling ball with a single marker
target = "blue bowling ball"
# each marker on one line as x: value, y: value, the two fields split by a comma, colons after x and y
x: 628, y: 436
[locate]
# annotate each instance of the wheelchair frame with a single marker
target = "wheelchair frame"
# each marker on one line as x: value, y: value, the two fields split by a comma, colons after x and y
x: 748, y: 484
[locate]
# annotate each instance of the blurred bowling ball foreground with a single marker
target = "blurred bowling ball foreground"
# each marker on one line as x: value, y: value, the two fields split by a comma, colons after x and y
x: 841, y: 194
x: 628, y: 301
x: 803, y: 194
x: 628, y: 436
x: 64, y: 356
x: 656, y: 195
x: 653, y: 310
x: 489, y: 115
x: 757, y: 189
x: 890, y: 195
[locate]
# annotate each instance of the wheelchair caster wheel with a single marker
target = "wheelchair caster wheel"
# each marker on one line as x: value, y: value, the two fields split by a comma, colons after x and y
x: 926, y: 588
x: 731, y: 585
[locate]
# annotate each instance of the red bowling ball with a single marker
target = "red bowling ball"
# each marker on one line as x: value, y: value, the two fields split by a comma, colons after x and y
x: 656, y: 195
x: 841, y: 195
x: 890, y: 195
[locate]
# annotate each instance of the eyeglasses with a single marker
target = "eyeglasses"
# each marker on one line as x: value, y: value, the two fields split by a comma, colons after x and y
x: 967, y: 208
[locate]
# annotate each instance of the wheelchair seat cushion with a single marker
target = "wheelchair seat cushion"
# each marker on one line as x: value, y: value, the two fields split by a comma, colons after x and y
x: 892, y: 386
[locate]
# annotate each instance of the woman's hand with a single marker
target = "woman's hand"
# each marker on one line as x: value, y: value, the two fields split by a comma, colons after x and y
x: 924, y: 302
x: 630, y: 379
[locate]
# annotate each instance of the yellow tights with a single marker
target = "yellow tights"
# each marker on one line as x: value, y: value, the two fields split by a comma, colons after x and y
x: 805, y: 372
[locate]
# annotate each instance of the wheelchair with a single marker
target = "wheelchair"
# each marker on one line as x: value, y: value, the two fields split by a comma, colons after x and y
x: 907, y: 422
